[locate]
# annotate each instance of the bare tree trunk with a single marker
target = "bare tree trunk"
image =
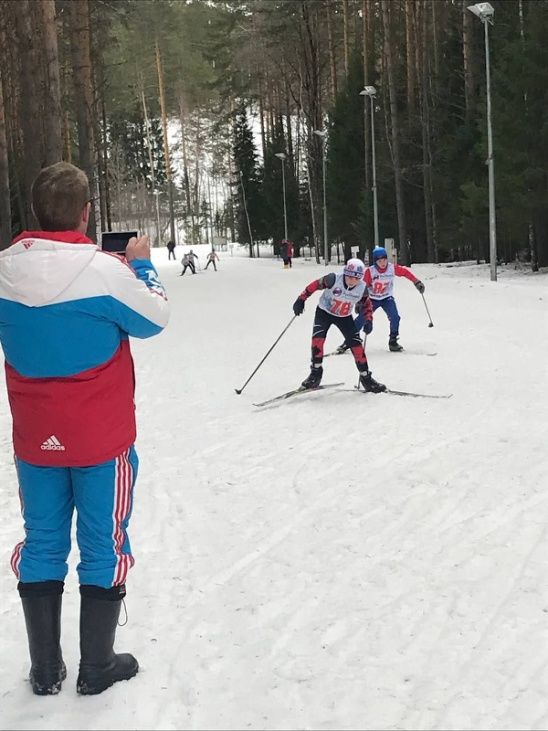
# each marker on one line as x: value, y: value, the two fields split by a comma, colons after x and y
x: 150, y: 160
x: 332, y: 56
x: 435, y: 39
x: 5, y: 193
x: 5, y: 199
x: 186, y: 178
x: 366, y: 112
x: 426, y: 141
x: 469, y: 81
x: 261, y: 118
x: 411, y: 43
x: 289, y: 132
x: 345, y: 32
x: 402, y: 233
x: 166, y: 142
x: 83, y: 95
x: 29, y: 104
x: 52, y: 109
x: 197, y: 175
x: 311, y: 96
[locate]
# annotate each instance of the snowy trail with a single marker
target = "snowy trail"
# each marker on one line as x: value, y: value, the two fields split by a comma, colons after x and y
x: 341, y: 561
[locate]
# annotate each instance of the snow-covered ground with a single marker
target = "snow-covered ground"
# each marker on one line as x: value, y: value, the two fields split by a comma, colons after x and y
x: 340, y: 561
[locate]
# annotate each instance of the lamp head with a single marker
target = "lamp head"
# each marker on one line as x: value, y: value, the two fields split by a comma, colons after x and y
x: 368, y: 91
x: 484, y: 11
x: 281, y: 155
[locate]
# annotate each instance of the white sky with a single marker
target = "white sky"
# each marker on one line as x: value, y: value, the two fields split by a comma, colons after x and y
x: 342, y: 561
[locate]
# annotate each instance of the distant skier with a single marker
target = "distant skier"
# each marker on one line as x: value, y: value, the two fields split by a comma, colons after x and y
x: 379, y: 279
x: 192, y: 256
x: 212, y: 258
x: 171, y: 250
x: 341, y: 293
x: 187, y: 263
x: 286, y: 252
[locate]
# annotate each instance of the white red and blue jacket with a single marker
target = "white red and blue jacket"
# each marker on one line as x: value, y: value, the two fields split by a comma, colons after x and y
x: 380, y: 282
x: 67, y: 310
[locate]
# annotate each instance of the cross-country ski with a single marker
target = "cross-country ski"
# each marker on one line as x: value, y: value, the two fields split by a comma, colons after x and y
x: 297, y: 392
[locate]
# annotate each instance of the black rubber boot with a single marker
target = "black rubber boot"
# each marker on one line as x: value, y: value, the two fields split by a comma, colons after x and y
x: 100, y: 666
x: 42, y: 609
x: 314, y: 378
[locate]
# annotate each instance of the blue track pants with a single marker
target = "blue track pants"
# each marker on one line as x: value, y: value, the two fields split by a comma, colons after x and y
x: 103, y: 498
x: 388, y: 304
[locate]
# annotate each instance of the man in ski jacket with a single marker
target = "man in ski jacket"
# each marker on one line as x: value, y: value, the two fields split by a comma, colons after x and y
x: 171, y: 250
x: 341, y: 294
x: 67, y: 310
x: 379, y: 279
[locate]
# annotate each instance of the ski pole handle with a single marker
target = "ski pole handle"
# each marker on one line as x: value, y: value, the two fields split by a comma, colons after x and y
x: 239, y: 390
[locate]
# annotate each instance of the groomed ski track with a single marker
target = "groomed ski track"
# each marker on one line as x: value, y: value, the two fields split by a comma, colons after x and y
x: 341, y: 562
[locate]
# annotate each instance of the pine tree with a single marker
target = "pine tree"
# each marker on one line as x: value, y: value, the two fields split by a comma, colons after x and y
x: 345, y: 161
x: 246, y: 182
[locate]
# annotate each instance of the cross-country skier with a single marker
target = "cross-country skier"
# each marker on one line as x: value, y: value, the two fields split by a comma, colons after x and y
x: 379, y: 279
x: 212, y: 258
x: 341, y: 293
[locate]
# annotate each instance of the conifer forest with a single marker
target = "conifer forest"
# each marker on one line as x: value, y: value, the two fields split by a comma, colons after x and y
x: 202, y: 120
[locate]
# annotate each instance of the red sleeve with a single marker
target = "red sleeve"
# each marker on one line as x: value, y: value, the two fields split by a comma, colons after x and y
x: 367, y: 277
x: 366, y: 307
x: 400, y: 271
x: 325, y: 282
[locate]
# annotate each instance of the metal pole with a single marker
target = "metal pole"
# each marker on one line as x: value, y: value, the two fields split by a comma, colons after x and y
x: 326, y: 252
x: 490, y: 165
x: 285, y: 209
x: 246, y: 215
x: 157, y: 195
x: 374, y: 178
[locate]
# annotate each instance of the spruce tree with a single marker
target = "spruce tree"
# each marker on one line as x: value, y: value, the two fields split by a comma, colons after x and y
x: 246, y: 182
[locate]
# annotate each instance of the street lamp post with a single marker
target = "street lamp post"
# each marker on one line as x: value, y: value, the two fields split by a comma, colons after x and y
x: 156, y: 195
x: 326, y: 253
x: 282, y: 156
x: 485, y: 12
x: 370, y: 91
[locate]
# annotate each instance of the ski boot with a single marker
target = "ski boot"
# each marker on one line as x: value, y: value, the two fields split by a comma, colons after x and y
x: 370, y: 384
x: 393, y: 345
x: 314, y: 378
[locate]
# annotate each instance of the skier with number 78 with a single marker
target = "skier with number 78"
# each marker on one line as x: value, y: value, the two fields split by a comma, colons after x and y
x: 341, y: 293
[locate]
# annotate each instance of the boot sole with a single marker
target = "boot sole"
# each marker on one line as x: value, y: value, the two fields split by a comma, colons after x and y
x: 53, y: 688
x: 94, y: 688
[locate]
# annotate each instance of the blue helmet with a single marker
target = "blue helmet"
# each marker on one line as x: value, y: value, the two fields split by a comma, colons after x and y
x: 379, y: 253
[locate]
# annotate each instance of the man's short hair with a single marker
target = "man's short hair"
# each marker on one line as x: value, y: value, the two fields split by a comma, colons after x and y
x: 59, y: 194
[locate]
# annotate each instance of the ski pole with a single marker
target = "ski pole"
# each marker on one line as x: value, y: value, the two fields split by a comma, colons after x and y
x: 430, y: 324
x: 239, y: 390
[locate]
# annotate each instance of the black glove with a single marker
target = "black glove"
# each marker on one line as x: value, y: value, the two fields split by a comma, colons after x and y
x: 298, y: 306
x: 420, y: 286
x: 368, y: 327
